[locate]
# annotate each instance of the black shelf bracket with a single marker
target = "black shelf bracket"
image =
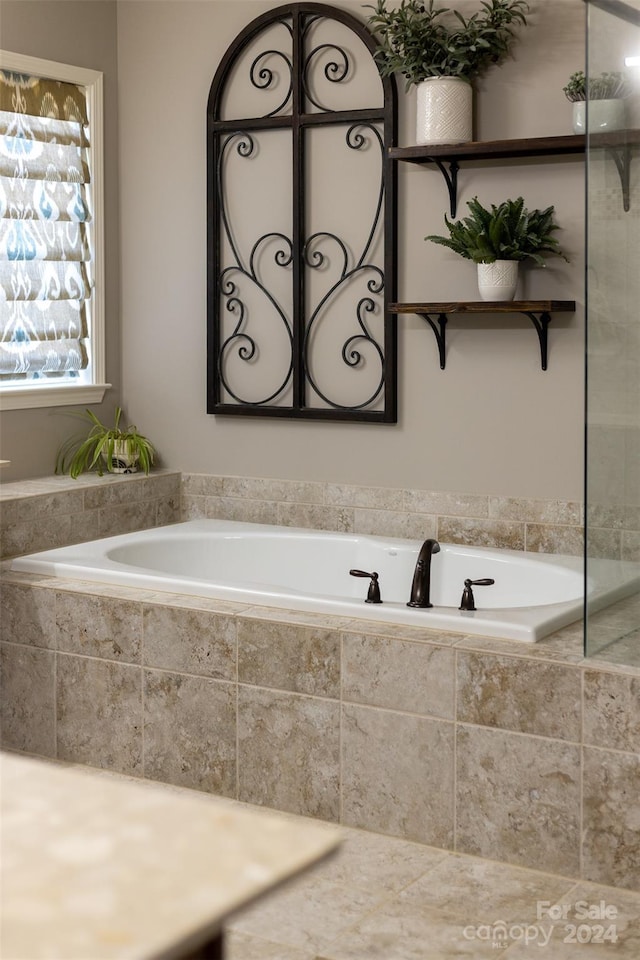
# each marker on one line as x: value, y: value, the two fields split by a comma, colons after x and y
x: 451, y: 180
x: 541, y: 322
x: 438, y: 323
x: 439, y: 327
x: 622, y: 158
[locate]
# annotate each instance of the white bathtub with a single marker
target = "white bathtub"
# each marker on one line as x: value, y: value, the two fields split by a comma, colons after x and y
x: 533, y: 594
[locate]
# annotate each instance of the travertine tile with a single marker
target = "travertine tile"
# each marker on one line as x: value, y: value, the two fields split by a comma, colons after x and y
x: 399, y: 675
x: 201, y: 485
x: 64, y: 502
x: 546, y: 538
x: 288, y: 752
x: 520, y: 695
x: 442, y: 503
x: 611, y: 834
x: 169, y: 510
x: 535, y: 511
x: 401, y: 631
x: 518, y: 799
x: 190, y: 731
x: 604, y: 544
x: 27, y: 699
x: 194, y: 508
x: 259, y: 488
x: 385, y: 523
x: 99, y: 713
x: 28, y: 615
x: 242, y: 946
x: 289, y: 657
x: 631, y: 546
x: 316, y: 516
x: 248, y: 511
x: 594, y: 922
x: 446, y: 914
x: 96, y: 626
x: 125, y: 517
x: 377, y: 864
x: 481, y: 533
x: 397, y: 774
x: 564, y: 646
x: 84, y: 527
x: 29, y: 536
x: 612, y: 710
x: 421, y: 525
x: 307, y: 914
x: 190, y: 641
x: 386, y: 499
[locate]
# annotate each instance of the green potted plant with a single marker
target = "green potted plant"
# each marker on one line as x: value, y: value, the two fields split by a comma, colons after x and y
x: 605, y: 94
x: 498, y: 239
x: 116, y: 449
x: 442, y: 52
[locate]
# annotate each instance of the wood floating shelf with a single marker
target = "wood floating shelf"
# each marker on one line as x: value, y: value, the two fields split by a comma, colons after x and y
x: 447, y: 157
x: 436, y: 315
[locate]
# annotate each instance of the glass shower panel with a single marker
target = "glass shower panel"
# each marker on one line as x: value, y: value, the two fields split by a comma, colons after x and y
x: 612, y: 489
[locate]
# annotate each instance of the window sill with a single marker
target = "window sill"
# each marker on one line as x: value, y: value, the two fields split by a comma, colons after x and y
x: 24, y: 398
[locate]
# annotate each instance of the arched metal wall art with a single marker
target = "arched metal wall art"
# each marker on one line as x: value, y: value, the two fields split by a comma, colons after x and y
x: 301, y: 222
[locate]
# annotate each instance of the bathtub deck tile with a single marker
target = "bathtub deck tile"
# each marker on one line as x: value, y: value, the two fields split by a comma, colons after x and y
x: 400, y: 631
x: 303, y: 617
x: 565, y: 646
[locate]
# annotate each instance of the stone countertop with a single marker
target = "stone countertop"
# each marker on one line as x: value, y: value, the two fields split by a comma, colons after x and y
x: 111, y: 869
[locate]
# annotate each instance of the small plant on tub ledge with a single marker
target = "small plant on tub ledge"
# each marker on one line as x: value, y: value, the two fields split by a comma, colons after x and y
x: 605, y: 94
x: 497, y: 239
x: 116, y: 449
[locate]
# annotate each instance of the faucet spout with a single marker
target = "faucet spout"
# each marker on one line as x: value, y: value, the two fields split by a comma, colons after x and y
x: 421, y: 586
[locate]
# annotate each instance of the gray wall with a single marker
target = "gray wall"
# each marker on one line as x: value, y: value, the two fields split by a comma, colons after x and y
x: 493, y: 422
x: 83, y: 34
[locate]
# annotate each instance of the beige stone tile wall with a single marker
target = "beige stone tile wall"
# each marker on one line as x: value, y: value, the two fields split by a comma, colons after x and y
x: 526, y: 754
x: 56, y: 511
x: 543, y: 526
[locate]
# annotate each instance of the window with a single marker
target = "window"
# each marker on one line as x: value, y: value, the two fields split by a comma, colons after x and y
x: 51, y: 242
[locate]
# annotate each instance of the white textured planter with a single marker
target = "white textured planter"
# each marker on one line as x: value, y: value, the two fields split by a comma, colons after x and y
x: 444, y: 111
x: 498, y: 280
x: 599, y: 116
x: 121, y: 462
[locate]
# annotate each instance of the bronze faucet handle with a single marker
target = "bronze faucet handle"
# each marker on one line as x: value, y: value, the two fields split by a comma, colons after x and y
x: 373, y: 596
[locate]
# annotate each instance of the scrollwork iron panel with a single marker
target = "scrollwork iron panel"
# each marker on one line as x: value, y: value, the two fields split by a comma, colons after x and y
x: 301, y: 222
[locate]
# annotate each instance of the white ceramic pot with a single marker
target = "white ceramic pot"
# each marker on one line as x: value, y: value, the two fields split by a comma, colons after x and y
x: 121, y: 462
x: 498, y: 280
x: 598, y: 116
x: 444, y: 111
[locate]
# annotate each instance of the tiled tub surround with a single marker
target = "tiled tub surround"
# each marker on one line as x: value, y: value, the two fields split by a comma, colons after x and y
x: 543, y: 526
x: 527, y: 755
x: 56, y: 511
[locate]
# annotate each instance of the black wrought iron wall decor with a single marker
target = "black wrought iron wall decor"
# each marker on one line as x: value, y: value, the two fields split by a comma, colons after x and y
x: 301, y: 211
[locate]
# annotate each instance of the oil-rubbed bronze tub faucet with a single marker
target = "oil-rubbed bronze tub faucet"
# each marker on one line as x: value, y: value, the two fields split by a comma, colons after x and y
x: 421, y: 586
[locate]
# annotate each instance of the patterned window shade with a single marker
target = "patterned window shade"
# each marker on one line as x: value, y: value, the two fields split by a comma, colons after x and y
x: 45, y: 221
